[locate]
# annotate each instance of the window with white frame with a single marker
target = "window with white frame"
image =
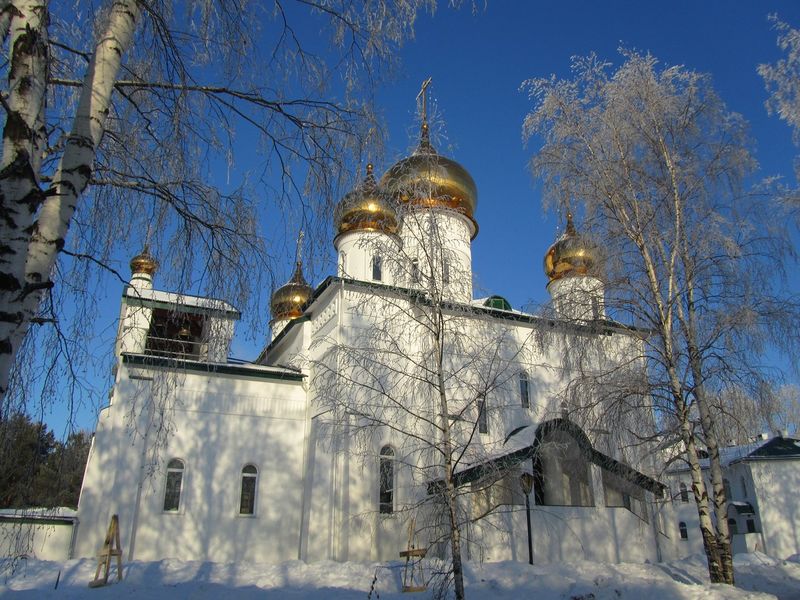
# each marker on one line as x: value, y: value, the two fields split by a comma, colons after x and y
x: 386, y: 481
x: 684, y: 492
x: 524, y: 390
x: 377, y: 267
x: 173, y: 485
x: 415, y: 278
x: 247, y: 495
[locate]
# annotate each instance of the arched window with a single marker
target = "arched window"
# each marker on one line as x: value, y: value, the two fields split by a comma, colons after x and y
x: 727, y: 485
x: 377, y: 267
x: 247, y: 497
x: 744, y: 486
x: 415, y: 278
x: 524, y: 390
x: 483, y: 418
x: 684, y: 493
x: 446, y: 272
x: 172, y: 488
x: 386, y: 491
x: 733, y: 526
x: 683, y: 530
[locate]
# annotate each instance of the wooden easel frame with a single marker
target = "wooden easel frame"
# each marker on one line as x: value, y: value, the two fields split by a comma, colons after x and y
x: 111, y: 547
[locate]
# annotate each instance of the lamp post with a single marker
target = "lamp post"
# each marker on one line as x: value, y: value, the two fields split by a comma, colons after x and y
x: 526, y: 480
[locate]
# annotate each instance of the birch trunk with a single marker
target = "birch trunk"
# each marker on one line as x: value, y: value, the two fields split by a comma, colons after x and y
x: 447, y: 449
x: 23, y: 142
x: 6, y: 9
x: 723, y: 537
x: 49, y: 231
x: 712, y: 550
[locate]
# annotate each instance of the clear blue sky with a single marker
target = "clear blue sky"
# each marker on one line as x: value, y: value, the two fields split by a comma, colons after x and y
x: 478, y: 61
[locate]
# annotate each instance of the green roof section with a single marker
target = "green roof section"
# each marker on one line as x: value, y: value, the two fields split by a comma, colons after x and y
x: 497, y: 302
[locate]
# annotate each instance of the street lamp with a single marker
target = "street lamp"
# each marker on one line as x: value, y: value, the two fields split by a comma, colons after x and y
x: 526, y: 480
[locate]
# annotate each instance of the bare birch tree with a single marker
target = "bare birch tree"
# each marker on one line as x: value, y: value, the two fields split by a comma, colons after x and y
x: 115, y: 114
x: 656, y: 162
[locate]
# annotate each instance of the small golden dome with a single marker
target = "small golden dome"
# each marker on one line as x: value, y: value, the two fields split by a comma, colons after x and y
x: 365, y: 209
x: 144, y: 263
x: 289, y: 300
x: 572, y: 255
x: 428, y: 179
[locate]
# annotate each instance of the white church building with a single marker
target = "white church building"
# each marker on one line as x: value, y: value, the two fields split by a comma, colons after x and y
x: 377, y: 387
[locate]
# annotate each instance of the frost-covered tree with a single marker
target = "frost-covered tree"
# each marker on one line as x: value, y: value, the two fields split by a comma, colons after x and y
x: 656, y: 162
x: 782, y: 80
x: 116, y: 112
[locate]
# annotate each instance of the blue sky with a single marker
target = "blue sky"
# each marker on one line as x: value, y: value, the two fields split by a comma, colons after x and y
x: 478, y: 59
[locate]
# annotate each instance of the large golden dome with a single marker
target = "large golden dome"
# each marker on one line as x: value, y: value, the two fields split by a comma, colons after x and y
x: 366, y: 208
x: 289, y: 300
x: 572, y: 255
x: 428, y: 179
x: 144, y: 263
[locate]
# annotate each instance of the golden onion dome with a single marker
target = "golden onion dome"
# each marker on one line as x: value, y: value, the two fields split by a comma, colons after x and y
x: 143, y: 263
x: 572, y: 255
x: 428, y: 179
x: 289, y: 300
x: 365, y: 209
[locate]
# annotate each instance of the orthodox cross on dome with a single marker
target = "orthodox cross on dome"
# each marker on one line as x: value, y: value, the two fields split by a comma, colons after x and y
x: 424, y: 138
x: 570, y: 223
x: 299, y: 249
x: 423, y: 92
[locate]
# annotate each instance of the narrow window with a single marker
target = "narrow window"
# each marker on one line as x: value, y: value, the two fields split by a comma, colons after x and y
x: 483, y: 419
x: 172, y: 489
x: 386, y: 491
x: 751, y: 526
x: 595, y: 308
x: 684, y: 493
x: 247, y: 499
x: 733, y: 528
x: 414, y: 270
x: 377, y: 268
x: 446, y: 272
x: 683, y: 530
x: 727, y: 486
x: 744, y: 486
x: 524, y: 390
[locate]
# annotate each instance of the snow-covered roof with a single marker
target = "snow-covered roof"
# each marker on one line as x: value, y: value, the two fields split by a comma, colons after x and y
x: 172, y: 299
x: 776, y: 448
x: 58, y: 514
x: 200, y: 366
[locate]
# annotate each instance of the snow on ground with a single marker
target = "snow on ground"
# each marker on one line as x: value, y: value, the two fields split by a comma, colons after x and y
x: 758, y: 577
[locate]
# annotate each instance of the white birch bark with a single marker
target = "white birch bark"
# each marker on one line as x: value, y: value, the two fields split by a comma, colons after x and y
x: 73, y: 174
x: 5, y: 18
x: 23, y: 142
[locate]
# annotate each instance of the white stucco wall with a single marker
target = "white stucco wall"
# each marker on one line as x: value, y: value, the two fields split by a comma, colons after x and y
x: 218, y: 425
x: 35, y: 538
x: 777, y: 483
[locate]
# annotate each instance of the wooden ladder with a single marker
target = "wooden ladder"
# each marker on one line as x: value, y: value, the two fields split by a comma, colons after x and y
x: 111, y: 547
x: 413, y: 574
